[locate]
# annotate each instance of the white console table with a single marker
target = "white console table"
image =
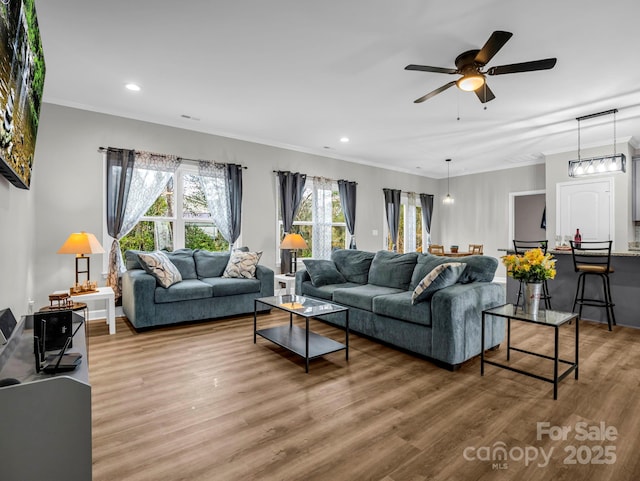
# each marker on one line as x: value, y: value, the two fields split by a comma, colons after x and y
x: 104, y: 294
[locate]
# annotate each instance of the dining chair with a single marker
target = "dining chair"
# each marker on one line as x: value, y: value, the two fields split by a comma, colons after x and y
x: 476, y: 249
x: 436, y: 249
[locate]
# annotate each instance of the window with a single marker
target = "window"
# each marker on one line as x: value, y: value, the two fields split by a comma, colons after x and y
x: 308, y: 223
x: 178, y: 218
x: 411, y: 235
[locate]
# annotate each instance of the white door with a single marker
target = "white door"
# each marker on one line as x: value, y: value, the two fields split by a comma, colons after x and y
x: 585, y: 205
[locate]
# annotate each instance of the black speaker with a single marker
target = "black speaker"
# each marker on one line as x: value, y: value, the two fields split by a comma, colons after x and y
x: 53, y: 328
x: 7, y: 325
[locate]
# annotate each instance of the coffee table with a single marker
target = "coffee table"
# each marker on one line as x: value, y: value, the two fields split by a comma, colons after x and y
x: 301, y: 341
x: 548, y: 318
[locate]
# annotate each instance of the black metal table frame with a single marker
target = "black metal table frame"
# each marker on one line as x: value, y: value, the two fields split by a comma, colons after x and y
x: 306, y: 357
x: 573, y: 365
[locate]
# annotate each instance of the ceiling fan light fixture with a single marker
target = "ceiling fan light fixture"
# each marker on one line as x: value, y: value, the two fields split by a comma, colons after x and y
x: 471, y: 82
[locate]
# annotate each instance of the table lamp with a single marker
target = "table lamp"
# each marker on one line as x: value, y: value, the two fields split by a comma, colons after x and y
x: 293, y: 242
x: 80, y: 244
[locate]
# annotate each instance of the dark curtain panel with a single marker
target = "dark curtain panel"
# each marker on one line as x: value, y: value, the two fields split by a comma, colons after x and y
x: 120, y: 164
x: 392, y: 209
x: 234, y: 179
x: 426, y: 203
x: 291, y: 189
x: 347, y: 192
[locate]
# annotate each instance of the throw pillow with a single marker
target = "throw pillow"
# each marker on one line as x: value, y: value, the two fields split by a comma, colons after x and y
x: 242, y: 265
x: 323, y: 272
x: 159, y: 266
x: 441, y: 276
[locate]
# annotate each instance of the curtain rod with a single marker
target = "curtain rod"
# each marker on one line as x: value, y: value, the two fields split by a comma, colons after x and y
x: 195, y: 161
x: 317, y: 177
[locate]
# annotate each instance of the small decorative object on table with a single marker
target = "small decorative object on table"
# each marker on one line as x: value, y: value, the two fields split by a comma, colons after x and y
x: 60, y: 301
x: 454, y: 249
x: 84, y: 288
x: 532, y: 268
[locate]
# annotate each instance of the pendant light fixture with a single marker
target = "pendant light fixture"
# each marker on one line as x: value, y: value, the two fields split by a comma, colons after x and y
x: 605, y: 164
x: 448, y: 200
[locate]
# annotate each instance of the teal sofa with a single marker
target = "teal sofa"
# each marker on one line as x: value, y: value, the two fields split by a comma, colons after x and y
x: 378, y: 288
x: 202, y: 294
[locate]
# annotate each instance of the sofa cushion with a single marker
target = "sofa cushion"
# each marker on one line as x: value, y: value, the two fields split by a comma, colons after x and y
x: 228, y: 286
x: 324, y: 292
x: 186, y: 290
x: 183, y: 260
x: 425, y: 264
x: 323, y: 272
x: 399, y: 306
x: 479, y: 269
x: 210, y: 264
x: 361, y: 296
x: 242, y: 264
x: 159, y: 266
x: 353, y: 264
x: 389, y: 269
x: 131, y: 259
x: 441, y: 276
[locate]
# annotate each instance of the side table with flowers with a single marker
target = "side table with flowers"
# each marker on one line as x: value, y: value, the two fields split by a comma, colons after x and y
x: 533, y: 268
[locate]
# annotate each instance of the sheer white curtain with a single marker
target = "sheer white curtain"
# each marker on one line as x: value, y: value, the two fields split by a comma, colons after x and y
x: 150, y: 176
x: 410, y: 223
x: 214, y: 181
x: 322, y: 217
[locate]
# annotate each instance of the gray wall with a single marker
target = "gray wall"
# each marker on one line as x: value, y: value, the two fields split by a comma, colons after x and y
x: 17, y: 235
x: 480, y: 214
x: 67, y: 191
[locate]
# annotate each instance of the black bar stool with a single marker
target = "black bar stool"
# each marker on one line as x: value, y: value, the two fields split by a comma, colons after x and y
x: 520, y: 247
x: 593, y: 258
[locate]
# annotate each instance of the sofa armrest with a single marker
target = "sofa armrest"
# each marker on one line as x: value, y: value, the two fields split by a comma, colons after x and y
x: 301, y: 276
x: 265, y: 275
x: 138, y: 296
x: 456, y: 319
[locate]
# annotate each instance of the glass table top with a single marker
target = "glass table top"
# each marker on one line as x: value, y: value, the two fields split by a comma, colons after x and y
x: 548, y: 317
x: 301, y: 305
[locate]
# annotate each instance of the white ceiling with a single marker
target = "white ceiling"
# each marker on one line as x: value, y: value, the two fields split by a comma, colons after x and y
x: 301, y: 74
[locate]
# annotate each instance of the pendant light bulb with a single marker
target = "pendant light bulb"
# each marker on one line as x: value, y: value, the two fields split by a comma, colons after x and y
x: 448, y: 200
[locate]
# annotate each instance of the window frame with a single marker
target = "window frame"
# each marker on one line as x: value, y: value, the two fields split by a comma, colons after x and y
x: 278, y: 223
x: 404, y: 205
x: 178, y: 220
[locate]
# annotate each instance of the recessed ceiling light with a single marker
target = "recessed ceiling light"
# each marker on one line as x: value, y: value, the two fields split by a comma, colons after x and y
x: 344, y: 140
x: 133, y: 87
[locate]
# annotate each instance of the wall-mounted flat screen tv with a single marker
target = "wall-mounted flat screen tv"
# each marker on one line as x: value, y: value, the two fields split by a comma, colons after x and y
x: 21, y: 84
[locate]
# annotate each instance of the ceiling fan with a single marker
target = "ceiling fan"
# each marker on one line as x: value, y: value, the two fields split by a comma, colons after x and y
x: 469, y: 64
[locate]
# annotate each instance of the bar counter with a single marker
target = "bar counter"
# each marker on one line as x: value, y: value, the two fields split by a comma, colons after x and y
x: 625, y: 287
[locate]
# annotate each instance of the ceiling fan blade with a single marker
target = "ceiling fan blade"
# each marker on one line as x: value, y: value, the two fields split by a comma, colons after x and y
x: 485, y: 94
x: 544, y: 64
x: 426, y: 68
x: 495, y: 43
x: 435, y: 92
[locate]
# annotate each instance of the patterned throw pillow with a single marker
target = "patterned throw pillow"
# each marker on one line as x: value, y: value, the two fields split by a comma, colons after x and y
x: 242, y: 265
x: 441, y: 276
x: 159, y: 266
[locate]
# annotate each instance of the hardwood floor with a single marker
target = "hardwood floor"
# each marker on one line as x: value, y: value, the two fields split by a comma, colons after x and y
x: 202, y: 402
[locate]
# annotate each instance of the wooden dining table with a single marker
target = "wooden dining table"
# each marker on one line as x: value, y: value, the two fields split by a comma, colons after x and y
x: 457, y: 254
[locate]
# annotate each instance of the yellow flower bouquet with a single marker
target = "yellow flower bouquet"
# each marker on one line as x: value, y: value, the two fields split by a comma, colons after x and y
x: 532, y: 266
